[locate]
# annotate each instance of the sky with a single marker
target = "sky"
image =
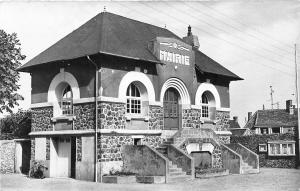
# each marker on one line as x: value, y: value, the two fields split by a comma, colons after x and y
x: 253, y: 39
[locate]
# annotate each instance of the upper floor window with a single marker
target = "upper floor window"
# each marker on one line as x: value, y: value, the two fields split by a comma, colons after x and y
x: 133, y: 98
x: 66, y: 102
x: 205, y: 105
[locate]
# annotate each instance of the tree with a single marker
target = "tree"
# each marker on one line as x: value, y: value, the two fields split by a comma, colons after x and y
x: 10, y: 57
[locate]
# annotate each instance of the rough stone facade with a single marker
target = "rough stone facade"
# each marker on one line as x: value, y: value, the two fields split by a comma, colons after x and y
x: 85, y: 116
x: 217, y: 157
x: 191, y: 118
x: 32, y: 149
x: 7, y: 156
x: 224, y: 139
x: 41, y: 119
x: 156, y: 117
x: 252, y: 142
x: 112, y: 115
x: 111, y: 147
x: 78, y: 148
x: 152, y: 141
x: 222, y: 118
x: 48, y: 148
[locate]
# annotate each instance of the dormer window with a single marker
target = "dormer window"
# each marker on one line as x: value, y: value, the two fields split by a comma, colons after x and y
x: 66, y: 103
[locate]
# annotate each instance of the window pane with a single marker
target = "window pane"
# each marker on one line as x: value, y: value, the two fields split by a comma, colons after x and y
x: 290, y: 149
x: 284, y: 149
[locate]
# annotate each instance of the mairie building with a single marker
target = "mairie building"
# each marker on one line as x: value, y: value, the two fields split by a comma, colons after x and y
x: 115, y: 82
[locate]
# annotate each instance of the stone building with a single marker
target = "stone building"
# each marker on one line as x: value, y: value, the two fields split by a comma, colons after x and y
x: 149, y: 87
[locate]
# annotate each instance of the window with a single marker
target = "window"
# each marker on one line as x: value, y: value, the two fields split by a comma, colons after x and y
x: 66, y: 103
x: 276, y: 130
x: 281, y: 148
x: 262, y: 147
x: 205, y: 112
x: 264, y: 130
x: 133, y: 99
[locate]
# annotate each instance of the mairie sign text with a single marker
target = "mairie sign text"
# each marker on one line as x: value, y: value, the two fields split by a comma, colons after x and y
x: 174, y: 57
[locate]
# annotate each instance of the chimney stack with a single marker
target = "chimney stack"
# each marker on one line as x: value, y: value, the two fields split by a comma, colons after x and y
x: 235, y: 118
x: 249, y: 115
x: 289, y: 107
x: 191, y: 39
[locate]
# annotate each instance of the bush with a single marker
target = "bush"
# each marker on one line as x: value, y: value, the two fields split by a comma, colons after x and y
x: 37, y: 170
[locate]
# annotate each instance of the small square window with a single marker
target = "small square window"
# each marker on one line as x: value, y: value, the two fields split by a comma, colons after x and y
x: 262, y: 147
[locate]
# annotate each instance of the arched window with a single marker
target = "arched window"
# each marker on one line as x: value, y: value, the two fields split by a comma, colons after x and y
x: 66, y: 103
x: 133, y: 98
x: 205, y: 105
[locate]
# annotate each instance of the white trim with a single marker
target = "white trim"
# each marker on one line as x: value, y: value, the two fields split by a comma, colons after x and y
x: 156, y: 103
x: 180, y: 87
x: 103, y: 131
x: 59, y: 78
x: 207, y: 87
x: 111, y: 99
x: 84, y: 100
x: 132, y: 77
x: 223, y: 109
x: 44, y: 104
x: 223, y: 132
x: 196, y: 107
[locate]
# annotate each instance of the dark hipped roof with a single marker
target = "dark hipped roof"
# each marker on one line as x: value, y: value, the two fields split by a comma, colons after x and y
x: 108, y: 33
x: 233, y: 124
x: 272, y: 118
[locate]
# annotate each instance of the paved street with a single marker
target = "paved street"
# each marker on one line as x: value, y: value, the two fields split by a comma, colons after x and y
x: 268, y: 179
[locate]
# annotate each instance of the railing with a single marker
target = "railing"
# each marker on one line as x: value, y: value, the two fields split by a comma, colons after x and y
x: 181, y: 159
x: 182, y: 134
x: 231, y: 160
x: 247, y: 155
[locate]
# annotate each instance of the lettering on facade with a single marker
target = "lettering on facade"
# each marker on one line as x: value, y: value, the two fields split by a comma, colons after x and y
x: 172, y: 56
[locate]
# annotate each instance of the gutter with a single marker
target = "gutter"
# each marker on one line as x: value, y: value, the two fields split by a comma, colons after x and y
x: 96, y: 120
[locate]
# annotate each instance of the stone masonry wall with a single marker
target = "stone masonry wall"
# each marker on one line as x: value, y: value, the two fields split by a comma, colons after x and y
x: 78, y: 148
x: 85, y: 116
x: 191, y: 118
x: 7, y: 156
x: 156, y: 117
x: 32, y: 148
x: 224, y: 139
x: 112, y: 115
x: 111, y: 145
x: 217, y: 158
x: 41, y: 119
x: 222, y: 118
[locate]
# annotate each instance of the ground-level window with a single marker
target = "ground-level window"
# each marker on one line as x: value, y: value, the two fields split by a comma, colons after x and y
x: 133, y: 98
x: 66, y: 103
x: 262, y: 147
x: 281, y: 148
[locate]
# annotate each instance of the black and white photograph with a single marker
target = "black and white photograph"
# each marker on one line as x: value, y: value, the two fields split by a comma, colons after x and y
x: 149, y: 95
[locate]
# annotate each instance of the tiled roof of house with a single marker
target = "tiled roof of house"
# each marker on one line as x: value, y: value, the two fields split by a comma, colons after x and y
x: 112, y: 34
x: 240, y: 132
x: 272, y: 118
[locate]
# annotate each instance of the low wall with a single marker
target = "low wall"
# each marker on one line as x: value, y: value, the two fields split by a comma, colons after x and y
x: 247, y: 155
x: 181, y: 159
x: 231, y: 160
x: 143, y: 160
x: 252, y: 142
x: 7, y: 156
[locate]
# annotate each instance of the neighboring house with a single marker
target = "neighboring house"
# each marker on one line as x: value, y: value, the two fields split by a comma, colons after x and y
x: 275, y: 136
x: 151, y: 86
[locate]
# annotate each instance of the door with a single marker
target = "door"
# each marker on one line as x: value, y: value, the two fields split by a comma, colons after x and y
x: 171, y: 110
x: 64, y: 157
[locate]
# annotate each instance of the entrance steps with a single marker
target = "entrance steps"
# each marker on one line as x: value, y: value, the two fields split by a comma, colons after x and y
x: 175, y: 173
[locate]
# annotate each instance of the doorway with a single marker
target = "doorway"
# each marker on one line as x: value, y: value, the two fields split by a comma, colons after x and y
x: 171, y: 109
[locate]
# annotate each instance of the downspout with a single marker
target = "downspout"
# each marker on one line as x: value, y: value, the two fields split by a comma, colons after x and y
x: 96, y: 121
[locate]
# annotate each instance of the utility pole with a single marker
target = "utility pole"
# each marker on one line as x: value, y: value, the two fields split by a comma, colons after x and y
x: 272, y: 91
x: 297, y: 99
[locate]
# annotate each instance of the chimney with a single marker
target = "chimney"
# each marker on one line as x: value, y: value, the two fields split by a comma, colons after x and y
x: 289, y: 107
x: 249, y: 115
x: 191, y: 39
x: 235, y: 118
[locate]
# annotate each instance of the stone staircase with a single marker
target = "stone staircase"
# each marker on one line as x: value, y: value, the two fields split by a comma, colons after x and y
x: 247, y: 169
x: 175, y: 173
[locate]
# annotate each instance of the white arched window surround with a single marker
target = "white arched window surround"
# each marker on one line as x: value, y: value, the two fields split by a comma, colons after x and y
x: 209, y: 88
x: 141, y: 80
x: 180, y: 87
x: 56, y: 88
